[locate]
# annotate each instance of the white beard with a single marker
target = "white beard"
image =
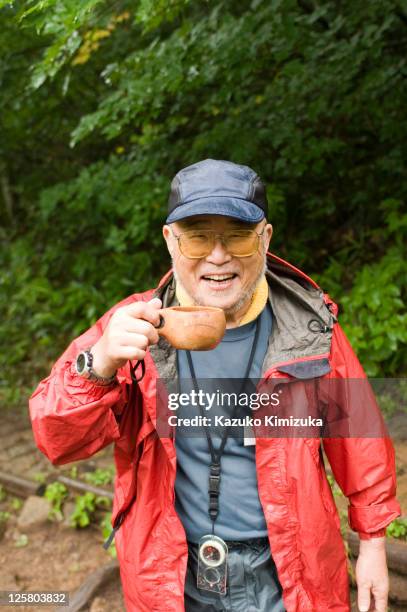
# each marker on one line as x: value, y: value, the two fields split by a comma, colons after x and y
x: 245, y: 297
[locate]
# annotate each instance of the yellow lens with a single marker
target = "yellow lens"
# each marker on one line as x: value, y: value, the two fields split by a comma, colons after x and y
x: 241, y: 243
x: 195, y: 244
x: 199, y: 243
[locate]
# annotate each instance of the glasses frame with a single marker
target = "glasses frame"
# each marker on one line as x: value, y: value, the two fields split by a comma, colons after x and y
x: 178, y: 236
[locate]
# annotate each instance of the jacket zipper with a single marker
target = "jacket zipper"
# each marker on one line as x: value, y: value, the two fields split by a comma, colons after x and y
x: 120, y: 517
x: 119, y: 520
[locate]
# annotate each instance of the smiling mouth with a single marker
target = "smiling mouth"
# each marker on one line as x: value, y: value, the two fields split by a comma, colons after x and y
x: 219, y: 278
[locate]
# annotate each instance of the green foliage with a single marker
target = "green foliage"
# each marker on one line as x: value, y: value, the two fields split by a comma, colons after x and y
x: 391, y: 395
x: 56, y: 492
x: 4, y: 516
x: 100, y: 476
x: 40, y: 477
x: 334, y: 486
x: 3, y: 494
x: 106, y: 526
x: 375, y: 317
x: 103, y: 102
x: 16, y: 503
x: 73, y: 472
x: 21, y: 541
x: 85, y: 506
x: 152, y: 13
x: 397, y: 529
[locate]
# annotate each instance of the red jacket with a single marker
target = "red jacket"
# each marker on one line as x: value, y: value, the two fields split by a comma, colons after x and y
x: 73, y: 418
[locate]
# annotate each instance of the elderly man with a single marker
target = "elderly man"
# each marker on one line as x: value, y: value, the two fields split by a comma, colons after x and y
x: 268, y: 519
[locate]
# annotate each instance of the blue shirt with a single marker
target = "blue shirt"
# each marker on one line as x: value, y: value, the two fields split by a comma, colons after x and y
x: 240, y: 513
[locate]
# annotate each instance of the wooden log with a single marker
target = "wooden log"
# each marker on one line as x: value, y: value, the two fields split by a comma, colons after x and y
x: 396, y: 553
x: 83, y: 487
x: 20, y: 486
x: 23, y: 487
x: 90, y: 586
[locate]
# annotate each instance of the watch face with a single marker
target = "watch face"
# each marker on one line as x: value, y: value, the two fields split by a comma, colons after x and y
x: 81, y: 362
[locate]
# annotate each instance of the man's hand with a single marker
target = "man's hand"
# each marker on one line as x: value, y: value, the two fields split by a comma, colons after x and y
x: 129, y: 332
x: 372, y: 576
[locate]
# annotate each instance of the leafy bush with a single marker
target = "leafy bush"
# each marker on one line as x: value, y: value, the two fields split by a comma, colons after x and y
x: 398, y: 529
x: 102, y: 104
x: 375, y: 317
x: 4, y: 516
x: 85, y: 506
x: 100, y: 476
x: 56, y: 492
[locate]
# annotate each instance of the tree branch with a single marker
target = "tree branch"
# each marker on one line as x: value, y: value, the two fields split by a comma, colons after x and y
x: 7, y: 194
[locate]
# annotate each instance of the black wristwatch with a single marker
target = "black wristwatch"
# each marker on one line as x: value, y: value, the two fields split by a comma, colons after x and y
x: 84, y: 362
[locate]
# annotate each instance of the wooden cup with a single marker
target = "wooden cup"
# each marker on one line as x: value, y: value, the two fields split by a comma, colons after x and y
x: 193, y: 328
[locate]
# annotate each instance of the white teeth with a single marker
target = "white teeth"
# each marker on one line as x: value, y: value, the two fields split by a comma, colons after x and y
x: 219, y: 277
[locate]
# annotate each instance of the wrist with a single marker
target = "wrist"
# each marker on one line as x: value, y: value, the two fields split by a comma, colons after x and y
x: 364, y: 535
x: 102, y: 366
x: 85, y: 367
x: 377, y: 544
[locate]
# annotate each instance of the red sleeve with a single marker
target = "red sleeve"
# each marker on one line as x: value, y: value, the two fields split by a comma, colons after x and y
x: 364, y: 467
x: 376, y: 534
x: 73, y: 418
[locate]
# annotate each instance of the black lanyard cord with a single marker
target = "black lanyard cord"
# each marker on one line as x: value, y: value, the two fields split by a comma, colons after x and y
x: 215, y: 467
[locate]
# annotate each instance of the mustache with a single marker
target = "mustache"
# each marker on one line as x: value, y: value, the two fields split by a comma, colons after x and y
x: 242, y: 298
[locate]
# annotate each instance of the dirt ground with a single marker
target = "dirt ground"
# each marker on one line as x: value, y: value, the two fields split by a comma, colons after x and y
x: 59, y: 558
x: 401, y: 469
x: 56, y: 558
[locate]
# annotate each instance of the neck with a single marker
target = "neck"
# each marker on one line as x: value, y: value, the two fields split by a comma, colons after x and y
x: 234, y: 318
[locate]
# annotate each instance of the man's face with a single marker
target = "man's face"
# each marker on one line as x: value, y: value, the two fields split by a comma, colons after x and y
x: 219, y: 279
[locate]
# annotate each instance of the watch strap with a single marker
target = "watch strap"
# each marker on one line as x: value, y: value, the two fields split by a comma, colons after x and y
x: 89, y: 373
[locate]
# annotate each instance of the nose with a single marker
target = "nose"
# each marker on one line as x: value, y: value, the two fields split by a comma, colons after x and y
x: 219, y: 254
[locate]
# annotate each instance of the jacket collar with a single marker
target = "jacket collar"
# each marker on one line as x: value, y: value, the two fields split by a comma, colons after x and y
x: 301, y: 335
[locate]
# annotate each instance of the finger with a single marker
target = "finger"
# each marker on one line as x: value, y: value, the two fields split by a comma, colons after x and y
x: 156, y: 303
x: 150, y: 334
x: 132, y: 338
x: 135, y: 340
x: 380, y: 602
x: 130, y: 353
x: 145, y: 310
x: 140, y: 326
x: 363, y: 599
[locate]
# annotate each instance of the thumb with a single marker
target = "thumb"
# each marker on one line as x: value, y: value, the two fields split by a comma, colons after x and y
x: 156, y: 303
x: 363, y: 599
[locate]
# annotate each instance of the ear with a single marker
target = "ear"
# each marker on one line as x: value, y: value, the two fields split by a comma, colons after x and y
x: 268, y: 233
x: 169, y: 239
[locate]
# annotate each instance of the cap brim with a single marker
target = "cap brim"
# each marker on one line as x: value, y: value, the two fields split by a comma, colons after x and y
x: 228, y: 207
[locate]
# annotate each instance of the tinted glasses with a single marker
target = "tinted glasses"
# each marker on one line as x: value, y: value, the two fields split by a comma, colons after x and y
x: 199, y: 243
